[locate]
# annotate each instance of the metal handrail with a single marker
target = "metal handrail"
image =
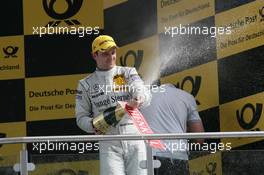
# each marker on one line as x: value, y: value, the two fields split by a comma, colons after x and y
x: 15, y: 140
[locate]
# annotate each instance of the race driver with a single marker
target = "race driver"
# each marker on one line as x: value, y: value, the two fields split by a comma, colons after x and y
x: 96, y: 93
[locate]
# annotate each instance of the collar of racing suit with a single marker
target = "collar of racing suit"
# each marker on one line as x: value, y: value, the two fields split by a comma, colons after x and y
x: 105, y: 73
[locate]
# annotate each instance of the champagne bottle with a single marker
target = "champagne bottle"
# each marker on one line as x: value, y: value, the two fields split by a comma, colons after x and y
x: 110, y: 117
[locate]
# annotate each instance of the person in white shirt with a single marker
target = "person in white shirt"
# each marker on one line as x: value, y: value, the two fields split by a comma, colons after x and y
x: 95, y: 95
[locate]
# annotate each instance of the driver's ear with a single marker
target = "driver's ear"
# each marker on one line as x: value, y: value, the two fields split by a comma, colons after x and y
x: 94, y: 55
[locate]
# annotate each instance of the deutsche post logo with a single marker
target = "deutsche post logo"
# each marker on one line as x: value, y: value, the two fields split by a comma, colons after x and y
x: 261, y: 13
x: 10, y: 51
x: 73, y: 7
x: 131, y: 54
x: 119, y: 80
x: 256, y: 114
x: 196, y: 84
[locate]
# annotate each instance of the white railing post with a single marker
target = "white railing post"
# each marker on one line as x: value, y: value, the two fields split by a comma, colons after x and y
x: 23, y: 166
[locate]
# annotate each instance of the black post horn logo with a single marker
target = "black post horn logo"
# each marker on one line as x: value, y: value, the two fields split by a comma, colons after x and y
x: 138, y: 57
x: 73, y: 7
x: 255, y: 117
x: 10, y: 51
x: 196, y: 84
x: 261, y: 13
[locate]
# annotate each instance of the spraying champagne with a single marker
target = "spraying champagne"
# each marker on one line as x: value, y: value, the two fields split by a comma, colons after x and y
x: 110, y: 117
